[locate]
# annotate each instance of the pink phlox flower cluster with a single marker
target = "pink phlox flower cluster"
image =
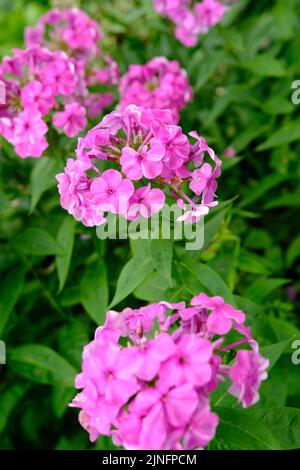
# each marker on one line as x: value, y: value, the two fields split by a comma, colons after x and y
x: 41, y: 85
x: 158, y: 84
x: 150, y: 157
x: 73, y: 31
x: 191, y: 18
x: 148, y: 374
x: 70, y: 30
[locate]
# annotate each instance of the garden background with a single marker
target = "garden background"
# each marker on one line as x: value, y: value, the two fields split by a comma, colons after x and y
x: 57, y: 277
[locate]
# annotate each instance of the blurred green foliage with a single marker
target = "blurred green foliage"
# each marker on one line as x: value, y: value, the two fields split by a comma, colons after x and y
x: 57, y: 277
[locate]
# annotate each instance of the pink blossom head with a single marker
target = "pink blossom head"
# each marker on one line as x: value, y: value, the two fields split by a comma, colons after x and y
x: 147, y: 376
x: 191, y: 18
x: 150, y: 157
x: 247, y: 373
x: 160, y: 84
x: 38, y: 82
x: 71, y: 30
x: 28, y: 134
x: 72, y: 120
x: 222, y: 315
x: 74, y: 189
x: 77, y: 35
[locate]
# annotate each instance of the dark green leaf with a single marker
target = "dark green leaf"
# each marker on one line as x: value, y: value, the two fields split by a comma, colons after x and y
x: 284, y: 135
x: 42, y: 179
x: 208, y: 278
x: 283, y: 423
x: 161, y: 253
x: 41, y: 364
x: 94, y: 291
x: 293, y: 251
x: 61, y: 397
x: 132, y: 275
x: 65, y: 239
x: 9, y: 399
x: 274, y: 351
x: 265, y: 65
x: 37, y: 242
x: 261, y: 288
x: 10, y: 291
x: 239, y: 431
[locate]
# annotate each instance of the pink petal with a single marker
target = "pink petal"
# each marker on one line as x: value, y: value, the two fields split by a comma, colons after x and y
x: 180, y: 404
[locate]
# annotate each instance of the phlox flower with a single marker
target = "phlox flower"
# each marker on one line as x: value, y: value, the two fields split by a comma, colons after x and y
x: 28, y: 134
x: 40, y: 81
x: 209, y: 13
x: 150, y: 157
x: 202, y: 428
x: 72, y: 120
x: 74, y: 188
x: 60, y: 76
x: 247, y: 373
x: 190, y: 362
x: 111, y: 192
x: 147, y: 163
x: 37, y: 95
x: 222, y: 316
x: 191, y: 18
x: 158, y: 84
x: 71, y: 29
x: 148, y: 374
x: 145, y: 202
x: 175, y: 143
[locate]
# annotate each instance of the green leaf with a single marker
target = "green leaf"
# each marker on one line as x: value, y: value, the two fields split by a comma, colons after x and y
x: 228, y: 163
x: 278, y: 105
x: 283, y: 423
x: 42, y: 179
x: 153, y: 288
x: 207, y: 278
x: 72, y: 337
x: 65, y: 239
x: 250, y: 263
x: 284, y: 331
x: 61, y: 397
x: 41, y: 364
x: 274, y: 351
x: 238, y: 430
x: 37, y: 242
x: 250, y: 133
x: 9, y: 400
x: 94, y: 291
x: 10, y: 290
x: 211, y: 227
x: 293, y: 251
x: 230, y: 94
x: 261, y: 187
x: 140, y: 247
x: 286, y: 200
x: 255, y: 317
x: 284, y: 135
x: 266, y: 66
x: 132, y: 275
x: 161, y: 253
x: 206, y: 67
x: 261, y: 288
